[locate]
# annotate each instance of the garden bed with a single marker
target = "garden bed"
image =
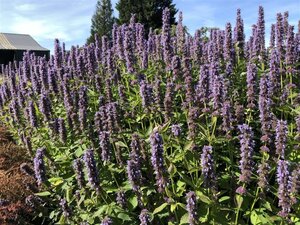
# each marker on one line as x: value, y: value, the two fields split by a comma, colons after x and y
x: 14, y: 183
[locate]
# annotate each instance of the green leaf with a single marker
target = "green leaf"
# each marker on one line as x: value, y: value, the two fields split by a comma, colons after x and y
x: 224, y: 198
x: 124, y: 217
x: 184, y: 219
x: 173, y: 207
x: 254, y: 218
x: 55, y: 181
x: 188, y: 145
x: 268, y: 206
x: 121, y: 144
x: 203, y: 197
x: 45, y: 193
x: 239, y: 200
x: 62, y: 220
x: 100, y: 211
x: 133, y: 201
x: 160, y: 208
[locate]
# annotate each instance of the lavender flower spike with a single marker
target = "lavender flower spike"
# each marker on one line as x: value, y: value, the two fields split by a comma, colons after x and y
x: 283, y: 193
x: 65, y: 208
x: 247, y: 144
x: 207, y: 165
x: 39, y: 166
x: 92, y: 171
x: 157, y: 160
x: 281, y: 138
x: 134, y: 174
x: 145, y: 217
x: 107, y: 221
x: 263, y: 172
x: 191, y: 207
x: 32, y: 115
x: 121, y: 199
x: 105, y: 146
x: 176, y: 130
x: 294, y: 185
x: 78, y: 168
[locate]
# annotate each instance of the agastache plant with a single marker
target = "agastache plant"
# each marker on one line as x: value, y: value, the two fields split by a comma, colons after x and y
x: 281, y: 138
x: 283, y: 186
x: 92, y: 171
x: 207, y: 165
x: 137, y: 125
x: 39, y: 166
x: 157, y: 160
x: 145, y: 217
x: 191, y: 207
x: 246, y: 148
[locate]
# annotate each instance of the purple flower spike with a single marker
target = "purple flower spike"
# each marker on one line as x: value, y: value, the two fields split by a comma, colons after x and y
x: 32, y: 115
x: 227, y: 119
x: 121, y: 199
x: 78, y: 168
x: 283, y: 186
x: 191, y: 207
x: 107, y: 221
x: 157, y: 160
x: 62, y: 130
x: 166, y: 37
x: 45, y: 107
x: 145, y: 217
x: 65, y: 208
x: 281, y: 138
x: 207, y: 165
x: 92, y: 170
x: 263, y: 172
x: 239, y: 36
x: 247, y: 145
x: 105, y: 146
x: 176, y: 130
x: 39, y: 166
x: 294, y: 185
x: 228, y: 50
x: 134, y: 174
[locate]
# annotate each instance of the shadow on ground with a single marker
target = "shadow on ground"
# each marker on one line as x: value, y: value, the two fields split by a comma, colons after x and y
x: 15, y: 184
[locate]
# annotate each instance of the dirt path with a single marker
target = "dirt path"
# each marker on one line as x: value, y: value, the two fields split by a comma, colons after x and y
x: 15, y: 185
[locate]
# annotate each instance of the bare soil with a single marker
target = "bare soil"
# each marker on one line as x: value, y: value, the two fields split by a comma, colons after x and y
x: 14, y: 184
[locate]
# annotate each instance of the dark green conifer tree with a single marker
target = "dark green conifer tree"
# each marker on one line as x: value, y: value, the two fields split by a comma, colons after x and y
x: 102, y: 20
x: 148, y: 12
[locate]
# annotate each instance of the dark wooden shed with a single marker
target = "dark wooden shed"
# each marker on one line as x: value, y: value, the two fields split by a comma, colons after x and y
x: 13, y: 46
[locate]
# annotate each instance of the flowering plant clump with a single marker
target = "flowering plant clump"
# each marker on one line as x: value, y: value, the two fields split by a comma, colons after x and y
x: 163, y: 128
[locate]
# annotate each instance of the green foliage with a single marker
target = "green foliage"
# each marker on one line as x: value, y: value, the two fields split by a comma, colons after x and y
x: 148, y: 12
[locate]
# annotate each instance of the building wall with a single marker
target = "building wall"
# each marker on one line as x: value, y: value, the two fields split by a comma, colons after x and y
x: 7, y: 56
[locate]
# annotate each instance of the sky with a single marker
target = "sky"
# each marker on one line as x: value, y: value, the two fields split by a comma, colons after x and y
x: 70, y: 20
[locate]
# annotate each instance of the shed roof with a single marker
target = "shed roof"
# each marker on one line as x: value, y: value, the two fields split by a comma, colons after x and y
x: 10, y: 41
